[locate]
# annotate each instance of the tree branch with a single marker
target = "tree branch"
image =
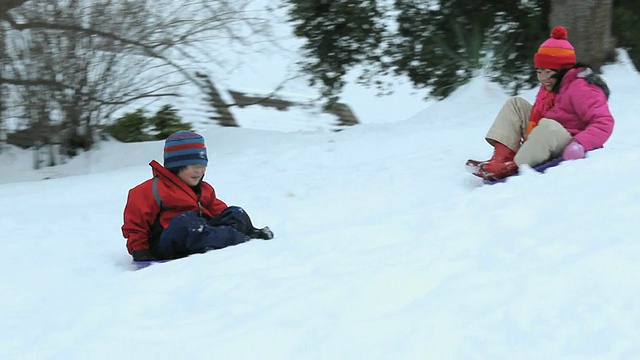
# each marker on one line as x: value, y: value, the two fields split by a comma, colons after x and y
x: 7, y: 5
x: 34, y: 82
x: 138, y: 97
x: 70, y: 27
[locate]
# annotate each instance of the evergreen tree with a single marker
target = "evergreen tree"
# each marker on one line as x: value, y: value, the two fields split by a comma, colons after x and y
x: 166, y: 121
x: 442, y: 47
x: 438, y: 45
x: 520, y: 28
x: 130, y: 127
x: 626, y: 17
x: 340, y: 34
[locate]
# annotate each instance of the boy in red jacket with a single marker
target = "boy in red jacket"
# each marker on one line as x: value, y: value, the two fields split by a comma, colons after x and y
x: 176, y: 213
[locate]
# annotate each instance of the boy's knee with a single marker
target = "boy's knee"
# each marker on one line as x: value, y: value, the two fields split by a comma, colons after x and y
x: 234, y: 214
x: 235, y: 210
x: 222, y: 236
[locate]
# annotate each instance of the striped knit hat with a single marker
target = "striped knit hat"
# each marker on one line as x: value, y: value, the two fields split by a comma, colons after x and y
x: 184, y: 148
x: 556, y: 53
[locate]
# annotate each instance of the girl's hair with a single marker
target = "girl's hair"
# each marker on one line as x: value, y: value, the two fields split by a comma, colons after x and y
x: 588, y: 74
x: 559, y: 75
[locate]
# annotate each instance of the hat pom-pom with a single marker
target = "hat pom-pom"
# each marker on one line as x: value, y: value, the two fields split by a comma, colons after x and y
x: 559, y: 32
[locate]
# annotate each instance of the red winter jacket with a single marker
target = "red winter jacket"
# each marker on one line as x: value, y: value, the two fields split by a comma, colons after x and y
x: 170, y: 196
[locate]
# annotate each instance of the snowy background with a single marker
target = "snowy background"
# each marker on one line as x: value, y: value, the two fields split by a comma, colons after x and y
x: 385, y: 247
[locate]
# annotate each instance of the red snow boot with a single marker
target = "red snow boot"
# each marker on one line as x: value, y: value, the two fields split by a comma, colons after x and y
x: 498, y: 170
x: 499, y: 166
x: 473, y: 166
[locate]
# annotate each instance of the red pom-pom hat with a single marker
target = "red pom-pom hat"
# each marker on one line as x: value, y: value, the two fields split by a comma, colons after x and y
x: 556, y: 53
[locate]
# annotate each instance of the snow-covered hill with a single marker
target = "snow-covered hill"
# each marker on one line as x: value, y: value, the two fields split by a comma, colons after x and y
x: 385, y: 248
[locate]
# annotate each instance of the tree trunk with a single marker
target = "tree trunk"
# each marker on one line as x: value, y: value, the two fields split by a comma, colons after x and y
x: 588, y: 23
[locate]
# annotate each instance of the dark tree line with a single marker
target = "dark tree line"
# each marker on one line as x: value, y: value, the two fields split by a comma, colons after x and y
x: 626, y: 17
x: 67, y: 65
x: 441, y: 47
x: 340, y: 35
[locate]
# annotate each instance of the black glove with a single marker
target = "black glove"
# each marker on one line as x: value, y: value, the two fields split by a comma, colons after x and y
x: 143, y: 255
x: 265, y: 233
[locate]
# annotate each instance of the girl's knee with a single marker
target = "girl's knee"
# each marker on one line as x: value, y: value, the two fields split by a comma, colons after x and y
x: 517, y: 100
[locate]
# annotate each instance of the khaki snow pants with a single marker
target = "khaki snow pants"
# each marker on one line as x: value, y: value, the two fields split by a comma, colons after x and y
x: 546, y: 141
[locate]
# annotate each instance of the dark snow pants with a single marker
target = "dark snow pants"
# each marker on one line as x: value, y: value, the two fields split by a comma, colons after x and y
x: 189, y: 234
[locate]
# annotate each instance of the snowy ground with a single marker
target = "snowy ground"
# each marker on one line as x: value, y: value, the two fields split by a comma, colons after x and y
x: 385, y: 248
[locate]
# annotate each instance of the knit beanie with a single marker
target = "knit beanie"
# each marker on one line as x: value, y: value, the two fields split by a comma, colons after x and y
x: 556, y: 53
x: 184, y: 148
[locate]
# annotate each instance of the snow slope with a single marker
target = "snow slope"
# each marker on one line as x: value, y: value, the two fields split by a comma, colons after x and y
x: 385, y: 248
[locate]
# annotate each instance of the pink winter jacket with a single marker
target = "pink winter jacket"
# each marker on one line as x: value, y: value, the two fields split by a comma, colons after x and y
x: 582, y: 109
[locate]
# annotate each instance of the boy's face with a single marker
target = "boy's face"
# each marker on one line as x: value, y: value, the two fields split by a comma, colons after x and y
x: 192, y: 174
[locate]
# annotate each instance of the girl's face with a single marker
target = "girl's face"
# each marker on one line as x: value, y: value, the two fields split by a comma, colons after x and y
x: 192, y: 174
x: 545, y: 76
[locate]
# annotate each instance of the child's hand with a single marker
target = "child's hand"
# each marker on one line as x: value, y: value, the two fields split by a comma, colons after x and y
x: 573, y: 151
x: 143, y: 255
x: 265, y: 234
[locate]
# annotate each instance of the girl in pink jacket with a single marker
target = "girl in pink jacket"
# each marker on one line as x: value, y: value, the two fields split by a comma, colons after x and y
x: 569, y: 116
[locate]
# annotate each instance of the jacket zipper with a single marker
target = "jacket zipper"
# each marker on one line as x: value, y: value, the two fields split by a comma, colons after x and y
x: 197, y: 196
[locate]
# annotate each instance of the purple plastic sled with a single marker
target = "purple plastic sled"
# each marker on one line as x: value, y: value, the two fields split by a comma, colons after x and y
x: 540, y: 168
x: 144, y: 264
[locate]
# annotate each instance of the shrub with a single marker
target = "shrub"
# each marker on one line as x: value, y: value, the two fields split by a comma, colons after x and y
x: 130, y: 127
x: 167, y: 121
x: 137, y: 127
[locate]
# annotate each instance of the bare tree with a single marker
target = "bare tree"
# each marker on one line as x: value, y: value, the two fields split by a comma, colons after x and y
x: 2, y: 88
x: 75, y: 62
x: 588, y: 23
